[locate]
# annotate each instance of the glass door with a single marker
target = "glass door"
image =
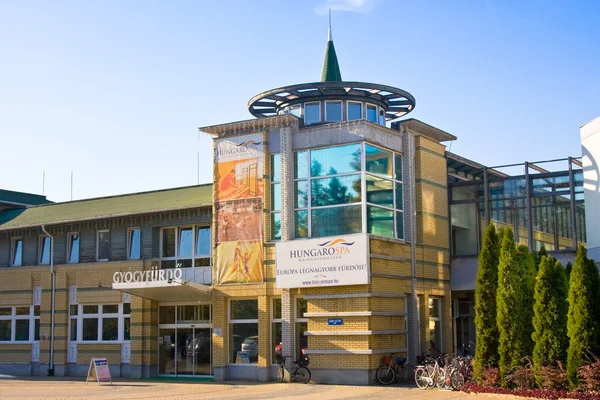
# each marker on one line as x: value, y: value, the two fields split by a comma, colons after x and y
x: 166, y: 352
x: 202, y: 351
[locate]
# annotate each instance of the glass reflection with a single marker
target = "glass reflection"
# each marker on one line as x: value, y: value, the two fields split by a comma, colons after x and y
x: 203, y: 241
x: 380, y: 221
x: 276, y: 226
x: 337, y: 190
x: 134, y: 244
x: 336, y: 221
x: 301, y: 164
x: 74, y: 248
x: 301, y: 224
x: 275, y: 167
x: 185, y: 242
x: 335, y: 160
x: 378, y: 161
x: 354, y: 111
x: 312, y: 113
x: 379, y: 191
x: 372, y: 113
x: 45, y: 250
x: 333, y: 111
x: 300, y: 194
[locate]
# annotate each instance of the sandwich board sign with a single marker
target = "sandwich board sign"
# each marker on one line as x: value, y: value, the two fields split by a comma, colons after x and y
x: 98, y: 371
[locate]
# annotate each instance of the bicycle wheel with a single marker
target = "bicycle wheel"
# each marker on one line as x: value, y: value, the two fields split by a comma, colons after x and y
x: 280, y: 373
x: 385, y: 374
x: 440, y: 378
x: 457, y: 380
x: 421, y: 376
x: 400, y: 372
x: 302, y: 375
x: 430, y: 374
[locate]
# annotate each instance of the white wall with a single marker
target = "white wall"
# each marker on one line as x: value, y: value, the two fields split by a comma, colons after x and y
x: 590, y: 146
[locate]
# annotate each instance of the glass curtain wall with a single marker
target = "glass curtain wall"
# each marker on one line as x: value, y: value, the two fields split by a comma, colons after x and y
x: 333, y: 184
x: 551, y: 211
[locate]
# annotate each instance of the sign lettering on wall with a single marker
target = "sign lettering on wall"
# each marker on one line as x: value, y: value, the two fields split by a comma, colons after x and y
x: 334, y: 261
x: 239, y: 190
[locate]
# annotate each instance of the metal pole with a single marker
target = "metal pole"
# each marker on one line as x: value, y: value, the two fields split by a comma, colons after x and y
x: 573, y: 204
x: 530, y: 240
x: 486, y: 196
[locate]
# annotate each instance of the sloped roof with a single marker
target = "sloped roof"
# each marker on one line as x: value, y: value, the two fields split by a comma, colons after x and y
x: 331, y: 67
x: 9, y: 197
x: 107, y: 207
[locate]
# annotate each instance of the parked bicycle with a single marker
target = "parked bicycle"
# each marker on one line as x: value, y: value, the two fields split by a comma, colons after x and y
x: 430, y: 372
x: 391, y: 370
x: 300, y: 374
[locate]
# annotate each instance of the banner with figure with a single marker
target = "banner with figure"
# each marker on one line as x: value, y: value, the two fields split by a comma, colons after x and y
x: 239, y: 191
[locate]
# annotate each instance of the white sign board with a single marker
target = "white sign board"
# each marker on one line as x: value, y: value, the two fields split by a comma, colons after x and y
x: 334, y: 261
x: 99, y: 371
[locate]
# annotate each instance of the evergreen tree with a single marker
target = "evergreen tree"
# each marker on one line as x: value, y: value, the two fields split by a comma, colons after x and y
x: 510, y: 306
x: 582, y: 324
x: 526, y: 265
x: 485, y: 302
x: 550, y: 315
x: 568, y: 269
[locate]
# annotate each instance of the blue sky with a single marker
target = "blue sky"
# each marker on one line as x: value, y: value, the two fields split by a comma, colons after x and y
x: 115, y: 91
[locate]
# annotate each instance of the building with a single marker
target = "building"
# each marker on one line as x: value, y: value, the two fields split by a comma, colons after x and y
x: 327, y: 231
x: 590, y: 144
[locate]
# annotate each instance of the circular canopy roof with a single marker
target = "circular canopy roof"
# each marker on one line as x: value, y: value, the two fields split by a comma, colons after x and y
x: 396, y: 102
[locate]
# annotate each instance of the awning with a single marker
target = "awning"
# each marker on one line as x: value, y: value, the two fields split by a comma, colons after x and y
x: 177, y: 290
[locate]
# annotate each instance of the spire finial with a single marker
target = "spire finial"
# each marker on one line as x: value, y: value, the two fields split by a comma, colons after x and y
x: 329, y: 37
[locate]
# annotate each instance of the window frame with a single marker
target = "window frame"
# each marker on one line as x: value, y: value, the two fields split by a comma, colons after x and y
x: 309, y: 103
x: 13, y: 251
x: 341, y: 103
x: 438, y: 320
x: 69, y: 247
x: 99, y: 317
x: 362, y: 110
x: 231, y: 321
x: 271, y: 330
x: 297, y: 320
x: 367, y: 105
x: 272, y: 210
x: 177, y: 258
x: 398, y: 213
x: 129, y: 233
x: 98, y: 232
x: 41, y: 239
x: 13, y: 318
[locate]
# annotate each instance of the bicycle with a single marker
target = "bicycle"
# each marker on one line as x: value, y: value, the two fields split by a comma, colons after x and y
x: 301, y: 374
x: 430, y: 373
x: 391, y: 371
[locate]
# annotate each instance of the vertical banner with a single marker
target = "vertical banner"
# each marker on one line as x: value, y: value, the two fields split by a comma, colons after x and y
x: 240, y: 201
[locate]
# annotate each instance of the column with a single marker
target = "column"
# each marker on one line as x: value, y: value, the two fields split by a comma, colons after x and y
x: 287, y: 233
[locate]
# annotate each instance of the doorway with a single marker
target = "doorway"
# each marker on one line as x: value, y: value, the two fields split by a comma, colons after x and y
x: 184, y: 348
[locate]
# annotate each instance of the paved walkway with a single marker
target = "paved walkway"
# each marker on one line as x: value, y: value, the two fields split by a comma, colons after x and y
x: 61, y: 388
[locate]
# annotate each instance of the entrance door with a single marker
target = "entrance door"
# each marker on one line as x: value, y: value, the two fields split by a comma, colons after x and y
x: 184, y: 351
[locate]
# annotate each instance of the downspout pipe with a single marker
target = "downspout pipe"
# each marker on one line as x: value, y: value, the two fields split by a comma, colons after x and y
x: 52, y: 311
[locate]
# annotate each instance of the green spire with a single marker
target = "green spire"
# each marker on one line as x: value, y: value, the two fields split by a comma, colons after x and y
x: 331, y: 67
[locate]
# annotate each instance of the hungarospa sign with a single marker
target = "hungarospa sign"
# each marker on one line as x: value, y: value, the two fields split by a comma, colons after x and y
x: 333, y: 261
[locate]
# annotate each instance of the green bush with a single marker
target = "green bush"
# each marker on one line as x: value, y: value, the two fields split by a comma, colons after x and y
x: 485, y: 303
x: 550, y: 317
x: 511, y: 303
x: 582, y: 327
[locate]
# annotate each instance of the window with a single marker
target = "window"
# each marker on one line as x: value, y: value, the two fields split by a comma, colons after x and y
x: 328, y: 188
x: 45, y: 249
x: 16, y: 252
x: 381, y: 117
x: 343, y: 185
x: 312, y: 113
x: 102, y: 245
x: 188, y: 246
x: 435, y: 322
x: 276, y: 335
x: 355, y: 111
x: 243, y: 331
x: 20, y: 324
x: 301, y: 326
x: 384, y: 197
x: 100, y: 323
x: 372, y: 113
x: 333, y: 111
x: 133, y: 244
x: 73, y: 248
x: 275, y: 197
